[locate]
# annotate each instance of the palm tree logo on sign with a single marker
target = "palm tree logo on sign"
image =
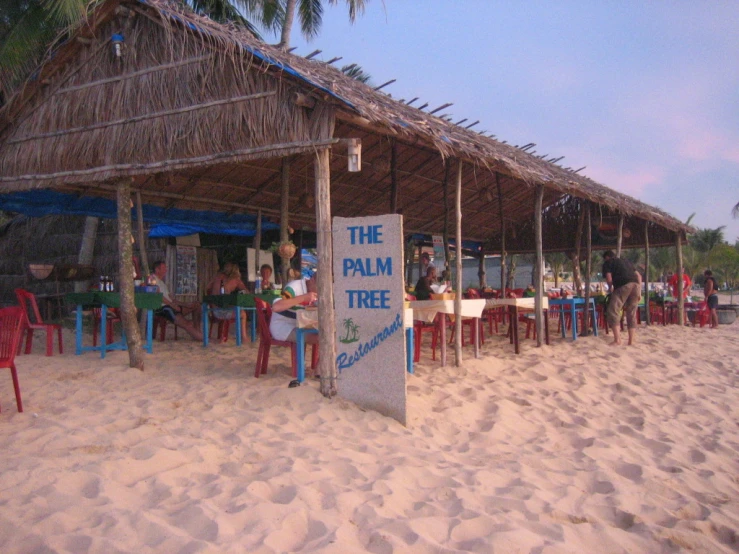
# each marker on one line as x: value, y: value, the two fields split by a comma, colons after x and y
x: 352, y: 331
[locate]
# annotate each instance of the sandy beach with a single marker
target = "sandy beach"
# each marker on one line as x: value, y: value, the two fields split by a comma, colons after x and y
x: 571, y: 448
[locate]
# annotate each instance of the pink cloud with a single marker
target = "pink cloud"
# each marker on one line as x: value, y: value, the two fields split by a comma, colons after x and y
x: 632, y: 182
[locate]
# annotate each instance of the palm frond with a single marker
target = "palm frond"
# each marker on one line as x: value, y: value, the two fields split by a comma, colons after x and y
x: 356, y: 7
x: 310, y: 13
x: 356, y: 72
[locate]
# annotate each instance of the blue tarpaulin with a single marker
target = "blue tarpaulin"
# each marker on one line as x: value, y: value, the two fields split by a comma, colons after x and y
x: 165, y: 222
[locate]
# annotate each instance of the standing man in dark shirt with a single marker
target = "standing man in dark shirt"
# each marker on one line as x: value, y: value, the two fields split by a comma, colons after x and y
x: 624, y: 282
x: 710, y: 291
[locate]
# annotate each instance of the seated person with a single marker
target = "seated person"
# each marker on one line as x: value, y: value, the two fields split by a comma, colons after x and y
x: 230, y: 277
x: 530, y: 292
x: 297, y: 293
x: 171, y: 309
x: 265, y: 272
x: 423, y: 287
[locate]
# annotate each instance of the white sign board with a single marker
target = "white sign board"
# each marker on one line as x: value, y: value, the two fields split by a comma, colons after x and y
x: 265, y: 257
x: 368, y: 296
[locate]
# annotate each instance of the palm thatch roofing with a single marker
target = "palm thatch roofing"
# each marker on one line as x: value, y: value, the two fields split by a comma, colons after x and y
x: 201, y: 115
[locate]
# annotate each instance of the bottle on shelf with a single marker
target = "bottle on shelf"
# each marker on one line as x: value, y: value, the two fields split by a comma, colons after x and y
x: 223, y: 287
x: 258, y: 285
x: 101, y: 283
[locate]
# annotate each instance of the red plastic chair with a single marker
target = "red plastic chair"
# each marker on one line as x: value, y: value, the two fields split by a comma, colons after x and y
x: 25, y: 299
x: 223, y: 327
x: 702, y: 314
x: 266, y: 341
x: 160, y: 322
x: 113, y: 317
x: 11, y: 327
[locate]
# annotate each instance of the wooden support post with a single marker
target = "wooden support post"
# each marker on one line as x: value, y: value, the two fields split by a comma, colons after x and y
x: 458, y: 263
x: 502, y: 238
x: 125, y: 275
x: 420, y: 262
x: 447, y: 250
x: 619, y: 234
x: 576, y: 279
x: 142, y: 236
x: 481, y: 272
x: 284, y: 206
x: 539, y: 285
x: 326, y: 314
x: 258, y: 246
x: 409, y: 263
x: 393, y: 177
x: 646, y: 274
x: 588, y: 270
x: 680, y: 296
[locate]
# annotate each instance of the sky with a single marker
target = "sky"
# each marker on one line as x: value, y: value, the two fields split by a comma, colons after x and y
x: 644, y: 94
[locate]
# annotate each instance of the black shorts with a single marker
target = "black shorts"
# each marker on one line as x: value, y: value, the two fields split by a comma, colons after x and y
x: 712, y: 302
x: 167, y: 312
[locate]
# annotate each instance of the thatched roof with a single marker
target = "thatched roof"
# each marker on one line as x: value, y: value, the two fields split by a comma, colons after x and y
x: 200, y: 115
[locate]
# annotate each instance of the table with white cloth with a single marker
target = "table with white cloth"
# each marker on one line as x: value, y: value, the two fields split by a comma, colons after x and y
x: 515, y: 304
x: 429, y: 310
x: 308, y: 324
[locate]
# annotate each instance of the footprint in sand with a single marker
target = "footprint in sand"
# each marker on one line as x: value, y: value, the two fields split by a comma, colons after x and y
x: 632, y: 472
x: 696, y: 456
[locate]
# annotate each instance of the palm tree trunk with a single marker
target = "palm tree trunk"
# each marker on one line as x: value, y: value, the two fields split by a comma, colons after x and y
x: 125, y: 276
x: 287, y: 25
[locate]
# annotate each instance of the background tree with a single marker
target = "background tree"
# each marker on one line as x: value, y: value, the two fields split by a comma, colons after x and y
x: 706, y: 240
x: 556, y: 261
x: 662, y: 261
x: 280, y: 14
x: 726, y: 261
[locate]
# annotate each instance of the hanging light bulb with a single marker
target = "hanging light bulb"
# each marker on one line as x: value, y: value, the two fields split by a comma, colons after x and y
x: 117, y: 40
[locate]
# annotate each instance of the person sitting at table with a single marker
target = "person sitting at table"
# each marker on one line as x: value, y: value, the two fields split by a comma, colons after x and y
x: 265, y: 272
x: 171, y: 309
x: 423, y: 287
x: 296, y: 294
x: 230, y: 278
x: 530, y: 292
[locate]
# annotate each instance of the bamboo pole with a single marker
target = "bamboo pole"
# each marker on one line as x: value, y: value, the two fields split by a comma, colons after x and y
x: 576, y: 278
x: 257, y: 245
x: 284, y: 210
x: 125, y: 276
x: 420, y: 262
x: 142, y: 235
x: 619, y: 234
x: 447, y: 249
x: 129, y: 120
x: 458, y: 263
x: 326, y: 314
x: 394, y: 177
x: 646, y: 274
x: 408, y: 263
x: 134, y: 74
x: 481, y: 273
x: 180, y: 163
x: 588, y: 271
x: 680, y: 296
x: 539, y: 285
x: 502, y: 238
